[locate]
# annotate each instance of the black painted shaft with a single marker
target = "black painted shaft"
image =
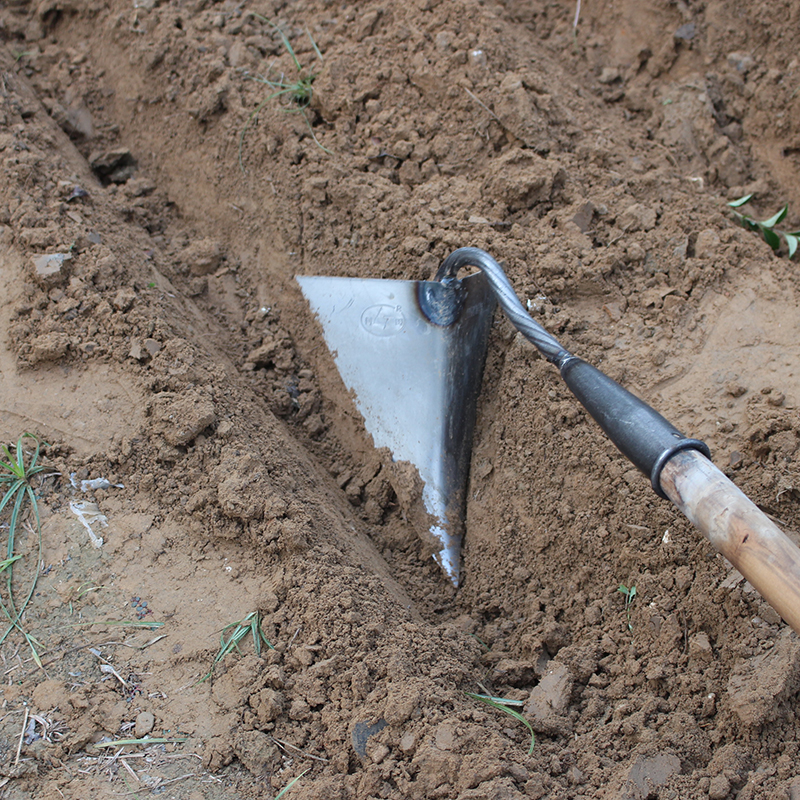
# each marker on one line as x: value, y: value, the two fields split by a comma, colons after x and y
x: 642, y: 435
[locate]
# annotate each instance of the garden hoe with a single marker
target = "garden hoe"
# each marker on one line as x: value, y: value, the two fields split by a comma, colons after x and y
x: 412, y: 353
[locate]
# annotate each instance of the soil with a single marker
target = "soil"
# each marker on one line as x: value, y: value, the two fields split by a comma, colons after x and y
x: 169, y: 350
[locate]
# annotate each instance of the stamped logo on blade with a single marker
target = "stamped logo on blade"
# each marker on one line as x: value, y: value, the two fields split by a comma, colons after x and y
x: 383, y: 320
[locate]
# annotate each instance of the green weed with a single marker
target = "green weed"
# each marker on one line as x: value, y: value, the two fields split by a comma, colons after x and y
x: 771, y: 234
x: 251, y: 624
x: 630, y: 595
x: 289, y: 785
x: 502, y: 704
x: 15, y: 476
x: 299, y: 91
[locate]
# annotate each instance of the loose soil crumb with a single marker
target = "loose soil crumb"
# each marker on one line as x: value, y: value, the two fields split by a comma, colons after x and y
x: 158, y: 198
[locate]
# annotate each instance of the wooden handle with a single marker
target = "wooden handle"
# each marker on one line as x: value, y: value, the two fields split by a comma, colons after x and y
x: 757, y: 547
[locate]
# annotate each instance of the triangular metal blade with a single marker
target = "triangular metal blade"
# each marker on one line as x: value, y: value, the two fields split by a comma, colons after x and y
x: 415, y: 382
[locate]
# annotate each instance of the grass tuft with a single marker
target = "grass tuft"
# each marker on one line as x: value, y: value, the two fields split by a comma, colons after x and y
x: 299, y: 91
x: 502, y: 704
x: 251, y: 624
x: 16, y: 474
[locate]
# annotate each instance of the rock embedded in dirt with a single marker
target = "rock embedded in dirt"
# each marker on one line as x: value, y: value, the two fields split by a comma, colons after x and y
x: 758, y: 686
x: 180, y: 419
x: 51, y: 269
x: 719, y: 788
x: 124, y: 299
x: 362, y: 731
x: 642, y: 779
x: 268, y: 705
x: 145, y: 722
x: 549, y: 700
x: 523, y: 180
x: 637, y: 217
x: 113, y: 166
x: 203, y: 256
x: 257, y: 751
x: 513, y: 672
x: 707, y: 243
x: 48, y: 347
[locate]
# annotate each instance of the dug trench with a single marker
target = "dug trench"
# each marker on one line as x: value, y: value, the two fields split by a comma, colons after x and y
x: 168, y: 350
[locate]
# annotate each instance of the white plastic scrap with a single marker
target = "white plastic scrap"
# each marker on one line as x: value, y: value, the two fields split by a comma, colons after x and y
x: 89, y: 514
x: 94, y: 483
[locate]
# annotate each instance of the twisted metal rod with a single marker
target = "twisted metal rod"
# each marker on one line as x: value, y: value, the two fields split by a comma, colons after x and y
x: 544, y: 341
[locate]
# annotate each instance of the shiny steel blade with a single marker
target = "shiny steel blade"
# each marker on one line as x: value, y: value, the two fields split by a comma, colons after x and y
x: 415, y: 382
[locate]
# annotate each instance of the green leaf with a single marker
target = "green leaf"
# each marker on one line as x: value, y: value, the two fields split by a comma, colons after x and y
x: 510, y: 711
x: 773, y: 221
x: 750, y: 224
x: 289, y: 785
x: 6, y: 563
x: 771, y: 238
x: 792, y: 241
x: 740, y: 202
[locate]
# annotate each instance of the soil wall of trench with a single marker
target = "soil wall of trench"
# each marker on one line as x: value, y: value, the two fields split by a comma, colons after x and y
x: 161, y: 187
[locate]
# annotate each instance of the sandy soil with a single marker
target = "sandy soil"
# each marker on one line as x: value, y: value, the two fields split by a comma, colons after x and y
x: 174, y: 355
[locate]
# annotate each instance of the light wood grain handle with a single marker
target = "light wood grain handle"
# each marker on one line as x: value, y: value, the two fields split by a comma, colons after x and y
x: 736, y: 527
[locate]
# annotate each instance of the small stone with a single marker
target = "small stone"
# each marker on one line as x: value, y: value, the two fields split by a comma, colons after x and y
x: 706, y: 244
x: 700, y: 647
x: 203, y: 256
x: 637, y: 217
x: 735, y: 389
x: 361, y: 733
x: 113, y: 166
x: 552, y: 694
x: 741, y: 62
x: 477, y: 58
x: 686, y: 32
x: 145, y: 722
x: 609, y: 75
x: 49, y: 268
x: 584, y: 215
x: 575, y: 775
x: 635, y: 253
x: 650, y: 772
x: 124, y: 299
x: 683, y: 578
x: 152, y: 346
x: 408, y: 743
x: 48, y: 347
x: 378, y: 753
x: 719, y: 788
x: 445, y: 736
x: 736, y: 459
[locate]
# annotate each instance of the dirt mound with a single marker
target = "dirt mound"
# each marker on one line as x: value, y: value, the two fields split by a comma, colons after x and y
x: 163, y: 183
